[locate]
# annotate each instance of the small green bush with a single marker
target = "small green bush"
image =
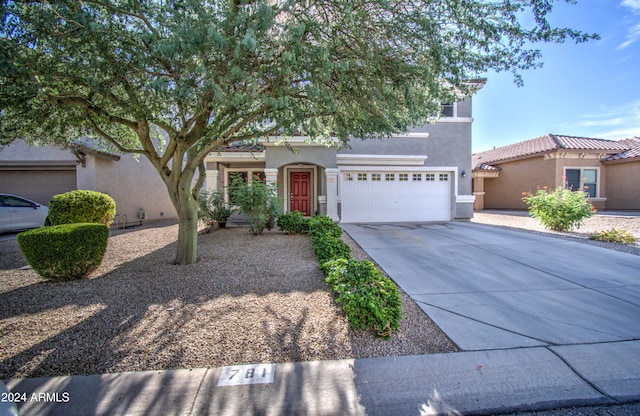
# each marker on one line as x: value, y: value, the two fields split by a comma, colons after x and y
x: 82, y: 207
x: 64, y: 252
x: 370, y: 300
x: 258, y: 200
x: 614, y: 236
x: 213, y: 209
x: 559, y: 210
x: 323, y: 225
x: 329, y: 248
x: 293, y: 222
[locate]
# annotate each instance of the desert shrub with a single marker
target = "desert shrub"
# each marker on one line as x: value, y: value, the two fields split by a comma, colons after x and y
x: 258, y: 200
x: 323, y: 225
x: 82, y: 206
x: 293, y: 222
x: 64, y: 252
x: 329, y: 248
x: 614, y: 236
x: 370, y: 300
x: 213, y: 209
x: 559, y: 210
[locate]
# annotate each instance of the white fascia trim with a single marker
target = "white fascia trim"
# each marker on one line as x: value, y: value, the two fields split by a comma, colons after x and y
x: 379, y: 160
x: 411, y: 135
x: 373, y: 168
x: 455, y: 120
x: 236, y: 157
x: 300, y: 141
x: 465, y: 199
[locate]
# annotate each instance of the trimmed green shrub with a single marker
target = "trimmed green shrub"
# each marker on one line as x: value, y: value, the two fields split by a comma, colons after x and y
x: 559, y: 210
x: 614, y: 236
x: 323, y: 225
x: 329, y: 248
x: 293, y: 222
x: 82, y: 206
x: 64, y: 252
x: 370, y: 300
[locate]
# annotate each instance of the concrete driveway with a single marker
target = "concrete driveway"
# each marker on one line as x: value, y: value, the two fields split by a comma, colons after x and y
x: 490, y: 288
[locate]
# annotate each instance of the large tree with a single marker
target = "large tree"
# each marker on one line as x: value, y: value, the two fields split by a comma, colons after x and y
x: 172, y: 80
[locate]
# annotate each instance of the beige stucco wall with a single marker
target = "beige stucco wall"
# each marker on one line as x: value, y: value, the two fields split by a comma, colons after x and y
x: 133, y: 184
x: 505, y: 191
x: 529, y: 175
x: 623, y: 186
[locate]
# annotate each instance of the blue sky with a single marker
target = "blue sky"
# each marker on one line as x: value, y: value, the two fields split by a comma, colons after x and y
x: 589, y: 89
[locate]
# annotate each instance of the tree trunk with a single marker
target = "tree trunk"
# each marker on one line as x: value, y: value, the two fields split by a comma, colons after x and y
x: 187, y: 251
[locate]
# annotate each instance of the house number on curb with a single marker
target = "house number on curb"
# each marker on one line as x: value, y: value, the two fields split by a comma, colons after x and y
x: 237, y: 375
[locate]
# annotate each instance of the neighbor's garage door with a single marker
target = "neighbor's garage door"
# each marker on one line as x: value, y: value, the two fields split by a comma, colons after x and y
x: 37, y: 185
x: 383, y: 196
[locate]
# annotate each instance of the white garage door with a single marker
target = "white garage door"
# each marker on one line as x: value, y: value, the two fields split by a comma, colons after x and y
x: 388, y: 196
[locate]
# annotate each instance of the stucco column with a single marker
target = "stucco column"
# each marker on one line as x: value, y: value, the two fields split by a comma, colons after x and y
x: 212, y: 180
x: 331, y: 175
x: 271, y: 175
x: 478, y: 191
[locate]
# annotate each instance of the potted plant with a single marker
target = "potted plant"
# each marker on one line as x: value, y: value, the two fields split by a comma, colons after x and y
x: 213, y: 209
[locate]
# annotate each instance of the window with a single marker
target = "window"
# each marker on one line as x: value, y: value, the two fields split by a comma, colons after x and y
x: 417, y: 177
x: 403, y: 177
x: 429, y: 176
x: 245, y: 175
x: 448, y: 110
x: 348, y: 177
x: 444, y: 177
x: 12, y: 201
x: 362, y: 176
x: 389, y: 176
x: 375, y: 177
x: 582, y: 178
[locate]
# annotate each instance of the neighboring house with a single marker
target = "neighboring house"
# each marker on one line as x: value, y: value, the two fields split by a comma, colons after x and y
x: 607, y: 170
x: 39, y: 172
x: 424, y: 175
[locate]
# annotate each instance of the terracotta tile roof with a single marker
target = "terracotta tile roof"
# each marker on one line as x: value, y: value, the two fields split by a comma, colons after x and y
x: 633, y: 149
x: 550, y: 143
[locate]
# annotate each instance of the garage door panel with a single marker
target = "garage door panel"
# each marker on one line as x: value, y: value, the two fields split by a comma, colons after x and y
x: 37, y: 185
x: 371, y: 196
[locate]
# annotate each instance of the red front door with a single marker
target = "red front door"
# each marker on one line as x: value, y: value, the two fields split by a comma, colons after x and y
x: 300, y: 192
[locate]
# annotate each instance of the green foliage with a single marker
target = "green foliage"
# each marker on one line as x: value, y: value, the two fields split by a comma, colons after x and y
x: 258, y: 200
x: 293, y: 222
x: 559, y: 210
x: 370, y: 300
x: 328, y: 247
x: 64, y: 252
x: 196, y: 75
x: 213, y: 209
x: 321, y: 225
x: 82, y: 206
x: 614, y: 236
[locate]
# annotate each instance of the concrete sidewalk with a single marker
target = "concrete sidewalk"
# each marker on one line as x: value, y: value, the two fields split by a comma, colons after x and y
x: 479, y: 382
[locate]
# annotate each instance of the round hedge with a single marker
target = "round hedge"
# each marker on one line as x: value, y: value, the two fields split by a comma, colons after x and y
x: 64, y: 252
x: 82, y: 206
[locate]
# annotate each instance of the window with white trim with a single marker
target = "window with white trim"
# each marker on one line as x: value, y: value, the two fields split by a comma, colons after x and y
x: 403, y: 177
x: 348, y: 176
x: 362, y: 176
x: 585, y: 179
x: 444, y: 177
x: 448, y: 110
x: 429, y: 176
x: 376, y: 177
x: 417, y: 177
x: 389, y: 176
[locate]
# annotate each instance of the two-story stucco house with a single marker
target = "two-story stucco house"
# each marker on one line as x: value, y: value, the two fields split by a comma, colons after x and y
x: 424, y: 175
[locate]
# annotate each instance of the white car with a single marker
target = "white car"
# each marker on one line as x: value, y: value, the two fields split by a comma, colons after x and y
x: 17, y: 214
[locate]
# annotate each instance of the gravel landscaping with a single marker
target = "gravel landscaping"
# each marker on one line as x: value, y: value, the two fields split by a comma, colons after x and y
x: 249, y: 299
